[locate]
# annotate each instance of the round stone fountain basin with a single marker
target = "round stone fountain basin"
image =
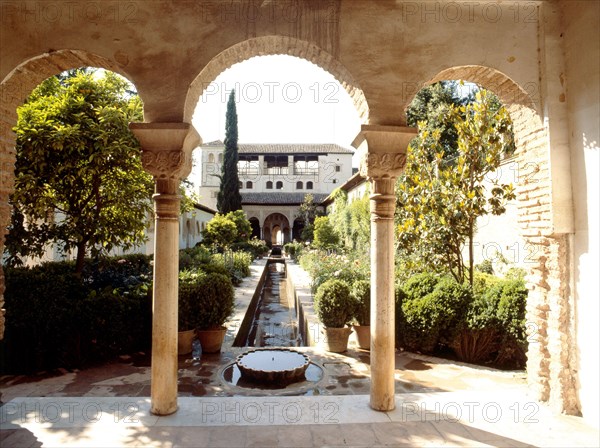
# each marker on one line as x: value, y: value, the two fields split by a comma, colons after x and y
x: 274, y: 365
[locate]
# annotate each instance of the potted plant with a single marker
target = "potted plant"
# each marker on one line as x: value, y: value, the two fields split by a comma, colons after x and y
x: 190, y: 283
x: 361, y: 294
x: 216, y: 305
x: 334, y: 307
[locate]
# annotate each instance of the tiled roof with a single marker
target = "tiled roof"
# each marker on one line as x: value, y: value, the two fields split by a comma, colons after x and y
x: 279, y: 198
x: 286, y: 148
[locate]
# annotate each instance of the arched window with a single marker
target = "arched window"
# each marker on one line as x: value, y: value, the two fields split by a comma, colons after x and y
x: 220, y: 157
x: 249, y: 184
x: 211, y: 158
x: 279, y: 185
x: 299, y: 185
x: 269, y: 185
x: 309, y: 185
x: 241, y: 184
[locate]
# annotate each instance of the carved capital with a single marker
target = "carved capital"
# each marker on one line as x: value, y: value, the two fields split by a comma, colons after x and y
x: 166, y: 148
x: 166, y: 164
x: 382, y: 165
x: 386, y: 150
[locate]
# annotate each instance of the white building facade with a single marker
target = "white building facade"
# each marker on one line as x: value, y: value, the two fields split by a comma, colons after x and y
x: 274, y: 180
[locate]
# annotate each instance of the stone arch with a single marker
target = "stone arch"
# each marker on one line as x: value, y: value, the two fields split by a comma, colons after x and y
x: 14, y: 89
x: 275, y: 45
x: 275, y: 221
x: 551, y: 363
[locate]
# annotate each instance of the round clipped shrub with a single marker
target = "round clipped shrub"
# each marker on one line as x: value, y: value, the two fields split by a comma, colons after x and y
x: 333, y: 303
x: 420, y: 285
x: 190, y: 289
x: 494, y: 329
x: 434, y: 319
x: 511, y: 296
x: 216, y: 301
x: 206, y: 300
x: 361, y: 293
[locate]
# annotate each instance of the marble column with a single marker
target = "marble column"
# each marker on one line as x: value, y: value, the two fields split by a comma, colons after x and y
x: 166, y: 154
x: 382, y: 164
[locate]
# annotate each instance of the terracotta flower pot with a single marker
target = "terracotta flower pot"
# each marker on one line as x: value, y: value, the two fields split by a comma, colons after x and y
x: 363, y: 336
x: 184, y: 341
x: 336, y: 339
x: 211, y: 340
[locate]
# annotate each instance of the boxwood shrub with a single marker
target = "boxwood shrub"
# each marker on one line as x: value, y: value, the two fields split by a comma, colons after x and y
x: 57, y: 319
x: 333, y: 303
x: 431, y: 312
x: 361, y: 294
x: 216, y: 301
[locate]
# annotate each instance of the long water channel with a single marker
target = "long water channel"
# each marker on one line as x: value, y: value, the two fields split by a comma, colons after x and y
x: 275, y: 322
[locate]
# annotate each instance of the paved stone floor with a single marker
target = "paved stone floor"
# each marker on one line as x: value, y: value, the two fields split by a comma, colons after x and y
x: 438, y: 403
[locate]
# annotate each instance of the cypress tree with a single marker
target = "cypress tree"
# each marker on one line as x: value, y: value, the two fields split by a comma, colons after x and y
x: 229, y: 198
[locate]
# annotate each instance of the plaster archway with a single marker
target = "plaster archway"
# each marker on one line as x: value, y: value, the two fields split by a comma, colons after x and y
x: 275, y: 45
x: 551, y: 364
x: 273, y: 222
x: 14, y: 89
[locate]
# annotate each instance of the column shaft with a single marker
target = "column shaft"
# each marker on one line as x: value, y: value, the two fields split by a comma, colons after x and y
x: 382, y: 296
x: 165, y: 305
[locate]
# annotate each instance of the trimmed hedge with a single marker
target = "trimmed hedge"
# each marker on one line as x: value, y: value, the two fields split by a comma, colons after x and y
x: 59, y: 320
x: 486, y: 326
x: 431, y: 320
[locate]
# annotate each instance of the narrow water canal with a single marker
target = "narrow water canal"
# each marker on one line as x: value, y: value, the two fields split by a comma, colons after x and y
x: 275, y: 321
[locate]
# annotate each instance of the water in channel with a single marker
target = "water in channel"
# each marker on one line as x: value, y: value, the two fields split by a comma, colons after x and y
x: 275, y: 321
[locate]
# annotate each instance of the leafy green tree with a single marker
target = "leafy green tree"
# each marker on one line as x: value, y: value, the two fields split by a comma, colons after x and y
x: 325, y: 236
x: 351, y: 221
x: 220, y: 231
x: 360, y: 224
x: 242, y: 225
x: 79, y: 178
x: 307, y: 213
x: 225, y: 229
x: 434, y: 105
x: 439, y: 201
x: 229, y: 198
x: 437, y: 105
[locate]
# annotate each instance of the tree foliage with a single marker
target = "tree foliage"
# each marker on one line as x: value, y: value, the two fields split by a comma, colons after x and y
x: 325, y: 236
x: 229, y: 198
x: 79, y: 179
x: 440, y: 199
x: 435, y: 105
x: 351, y: 220
x: 225, y: 229
x: 307, y: 213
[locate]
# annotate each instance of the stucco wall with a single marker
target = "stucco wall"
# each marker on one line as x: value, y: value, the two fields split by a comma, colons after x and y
x: 581, y: 37
x: 498, y: 238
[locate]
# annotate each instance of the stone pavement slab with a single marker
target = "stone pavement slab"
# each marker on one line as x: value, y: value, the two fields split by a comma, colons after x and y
x: 422, y: 419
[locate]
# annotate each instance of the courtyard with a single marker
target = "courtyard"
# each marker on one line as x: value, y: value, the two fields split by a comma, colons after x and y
x: 439, y: 402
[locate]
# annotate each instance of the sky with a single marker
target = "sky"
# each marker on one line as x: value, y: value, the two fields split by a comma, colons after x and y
x: 279, y: 99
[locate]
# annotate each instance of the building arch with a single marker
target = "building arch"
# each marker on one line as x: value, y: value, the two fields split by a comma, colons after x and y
x: 14, y: 90
x: 275, y: 45
x: 549, y: 271
x: 276, y: 222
